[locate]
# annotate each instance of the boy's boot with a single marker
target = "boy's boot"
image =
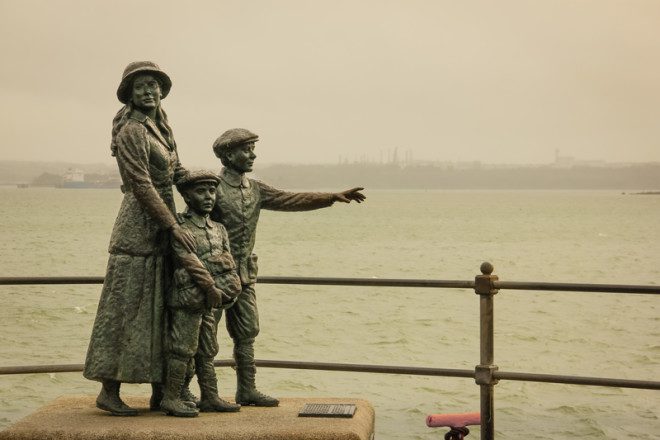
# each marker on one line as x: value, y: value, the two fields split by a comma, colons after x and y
x: 187, y: 395
x: 172, y: 405
x: 109, y: 400
x: 246, y: 391
x: 208, y: 384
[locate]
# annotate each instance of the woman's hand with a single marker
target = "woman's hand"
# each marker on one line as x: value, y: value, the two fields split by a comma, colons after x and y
x: 184, y: 237
x: 349, y: 195
x: 214, y: 297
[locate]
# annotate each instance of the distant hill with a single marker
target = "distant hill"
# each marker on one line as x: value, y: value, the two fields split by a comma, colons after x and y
x: 616, y: 177
x: 15, y: 172
x: 622, y: 177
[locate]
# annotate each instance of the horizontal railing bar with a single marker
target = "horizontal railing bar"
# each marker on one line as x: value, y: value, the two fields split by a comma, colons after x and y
x: 382, y: 282
x: 578, y: 380
x: 325, y: 366
x: 320, y: 281
x: 383, y: 369
x: 361, y: 368
x: 16, y: 281
x: 35, y: 369
x: 576, y: 287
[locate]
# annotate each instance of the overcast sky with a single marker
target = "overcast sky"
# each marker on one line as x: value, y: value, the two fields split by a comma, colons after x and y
x: 507, y: 81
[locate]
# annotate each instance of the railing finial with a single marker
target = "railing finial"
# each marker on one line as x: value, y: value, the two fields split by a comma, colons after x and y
x: 486, y: 268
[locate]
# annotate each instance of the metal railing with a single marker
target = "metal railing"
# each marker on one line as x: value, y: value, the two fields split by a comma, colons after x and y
x: 486, y: 374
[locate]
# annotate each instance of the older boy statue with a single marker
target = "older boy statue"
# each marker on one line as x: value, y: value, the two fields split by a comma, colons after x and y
x: 237, y: 206
x: 204, y: 281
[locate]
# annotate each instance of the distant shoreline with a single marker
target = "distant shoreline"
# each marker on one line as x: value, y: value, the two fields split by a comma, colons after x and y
x: 631, y: 178
x: 645, y: 193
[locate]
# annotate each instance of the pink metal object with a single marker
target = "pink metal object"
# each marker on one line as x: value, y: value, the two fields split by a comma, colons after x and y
x: 459, y: 420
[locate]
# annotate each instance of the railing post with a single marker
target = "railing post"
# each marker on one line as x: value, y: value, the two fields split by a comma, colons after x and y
x: 483, y: 373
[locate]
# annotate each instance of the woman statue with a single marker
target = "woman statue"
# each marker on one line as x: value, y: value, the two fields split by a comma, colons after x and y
x: 127, y: 338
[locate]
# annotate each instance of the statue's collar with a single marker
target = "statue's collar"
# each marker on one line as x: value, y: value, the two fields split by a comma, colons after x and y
x: 198, y: 220
x: 138, y: 116
x: 149, y: 123
x: 233, y: 178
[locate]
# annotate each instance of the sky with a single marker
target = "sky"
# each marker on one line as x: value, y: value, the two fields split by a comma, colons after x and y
x: 507, y: 81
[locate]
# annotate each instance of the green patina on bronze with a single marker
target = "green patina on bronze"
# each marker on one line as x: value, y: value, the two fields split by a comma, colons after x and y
x: 132, y: 339
x: 238, y: 204
x: 127, y: 338
x: 203, y: 281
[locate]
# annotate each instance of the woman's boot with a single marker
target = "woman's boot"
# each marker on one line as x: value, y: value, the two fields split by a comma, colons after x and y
x: 109, y: 400
x: 156, y: 396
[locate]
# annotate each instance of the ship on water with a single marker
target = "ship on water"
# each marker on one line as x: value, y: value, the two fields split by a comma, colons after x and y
x: 75, y: 178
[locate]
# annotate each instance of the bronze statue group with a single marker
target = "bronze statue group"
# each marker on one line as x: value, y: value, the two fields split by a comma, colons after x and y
x: 170, y: 277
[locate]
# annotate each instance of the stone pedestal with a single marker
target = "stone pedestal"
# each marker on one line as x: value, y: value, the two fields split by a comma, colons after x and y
x: 76, y: 418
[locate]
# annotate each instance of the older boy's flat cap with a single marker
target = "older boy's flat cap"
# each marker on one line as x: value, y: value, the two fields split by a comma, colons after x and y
x: 233, y: 137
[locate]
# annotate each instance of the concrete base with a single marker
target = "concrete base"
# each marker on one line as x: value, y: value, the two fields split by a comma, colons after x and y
x: 77, y: 418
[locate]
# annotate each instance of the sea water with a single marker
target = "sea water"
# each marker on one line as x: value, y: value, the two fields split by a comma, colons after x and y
x: 560, y: 236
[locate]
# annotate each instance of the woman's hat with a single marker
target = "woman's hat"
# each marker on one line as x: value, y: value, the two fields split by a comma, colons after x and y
x: 124, y: 90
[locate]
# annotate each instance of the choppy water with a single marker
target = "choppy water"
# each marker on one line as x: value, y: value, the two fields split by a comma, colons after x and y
x: 601, y: 237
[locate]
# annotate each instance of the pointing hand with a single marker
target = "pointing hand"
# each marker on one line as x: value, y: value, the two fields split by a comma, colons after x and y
x: 350, y: 195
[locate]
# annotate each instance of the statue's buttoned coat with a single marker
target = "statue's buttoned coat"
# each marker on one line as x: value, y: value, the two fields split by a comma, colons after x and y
x: 127, y: 338
x: 238, y: 203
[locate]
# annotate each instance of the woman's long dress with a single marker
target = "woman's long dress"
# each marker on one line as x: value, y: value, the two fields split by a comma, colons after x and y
x: 127, y: 338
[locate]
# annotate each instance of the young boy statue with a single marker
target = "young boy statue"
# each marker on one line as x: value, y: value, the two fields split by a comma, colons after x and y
x: 204, y: 282
x: 237, y: 207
